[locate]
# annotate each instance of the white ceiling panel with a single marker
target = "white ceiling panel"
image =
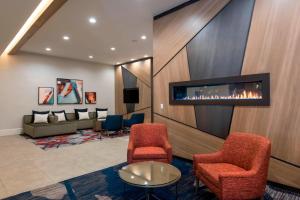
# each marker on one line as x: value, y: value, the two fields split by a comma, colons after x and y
x: 120, y: 24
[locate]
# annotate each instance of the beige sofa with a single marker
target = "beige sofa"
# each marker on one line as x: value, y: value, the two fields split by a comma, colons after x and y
x: 57, y: 128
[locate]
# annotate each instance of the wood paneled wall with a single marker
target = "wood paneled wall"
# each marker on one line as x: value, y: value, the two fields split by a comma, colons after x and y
x: 273, y: 46
x: 174, y: 31
x: 269, y: 51
x: 120, y: 107
x: 176, y: 70
x: 140, y: 71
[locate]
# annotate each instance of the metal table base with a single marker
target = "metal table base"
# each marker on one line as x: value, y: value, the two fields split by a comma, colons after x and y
x: 149, y: 193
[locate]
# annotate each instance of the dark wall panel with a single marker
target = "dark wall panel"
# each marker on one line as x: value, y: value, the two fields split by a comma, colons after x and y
x: 218, y: 51
x: 129, y: 81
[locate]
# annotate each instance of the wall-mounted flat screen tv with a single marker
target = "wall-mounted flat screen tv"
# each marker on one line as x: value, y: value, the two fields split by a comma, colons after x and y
x: 131, y: 95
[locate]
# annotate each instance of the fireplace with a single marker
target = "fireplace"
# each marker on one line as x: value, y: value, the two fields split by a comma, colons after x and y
x: 246, y: 90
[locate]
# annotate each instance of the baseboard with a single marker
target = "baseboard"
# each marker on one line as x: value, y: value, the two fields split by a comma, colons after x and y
x: 14, y: 131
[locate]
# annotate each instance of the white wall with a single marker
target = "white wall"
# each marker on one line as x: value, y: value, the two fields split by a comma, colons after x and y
x: 22, y: 74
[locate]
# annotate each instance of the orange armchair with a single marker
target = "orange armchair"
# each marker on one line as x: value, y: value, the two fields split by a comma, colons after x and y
x: 149, y: 142
x: 239, y: 170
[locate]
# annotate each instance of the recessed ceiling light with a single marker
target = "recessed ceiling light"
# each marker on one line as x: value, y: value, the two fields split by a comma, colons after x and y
x: 65, y: 37
x: 132, y: 59
x: 118, y: 63
x: 91, y: 57
x: 113, y: 48
x: 145, y: 56
x: 48, y: 49
x: 143, y: 37
x: 92, y: 20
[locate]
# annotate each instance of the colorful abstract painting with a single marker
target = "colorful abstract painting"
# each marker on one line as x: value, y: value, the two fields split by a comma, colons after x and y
x: 46, y: 95
x: 90, y: 98
x: 69, y: 91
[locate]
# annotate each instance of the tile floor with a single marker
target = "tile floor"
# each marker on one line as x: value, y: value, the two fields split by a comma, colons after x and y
x: 24, y: 166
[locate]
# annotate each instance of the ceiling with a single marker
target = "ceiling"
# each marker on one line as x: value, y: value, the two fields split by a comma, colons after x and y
x: 13, y: 14
x: 120, y: 24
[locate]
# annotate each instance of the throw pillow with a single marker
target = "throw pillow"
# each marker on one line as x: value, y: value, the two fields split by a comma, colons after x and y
x: 38, y: 112
x: 101, y: 109
x: 79, y: 110
x: 40, y: 118
x: 61, y: 115
x: 101, y: 114
x: 83, y: 115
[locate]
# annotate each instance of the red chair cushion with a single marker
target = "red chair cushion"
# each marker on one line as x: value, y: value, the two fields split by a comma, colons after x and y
x: 212, y: 170
x: 149, y: 153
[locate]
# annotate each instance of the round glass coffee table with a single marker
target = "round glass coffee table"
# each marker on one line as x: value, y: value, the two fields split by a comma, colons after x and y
x: 150, y: 175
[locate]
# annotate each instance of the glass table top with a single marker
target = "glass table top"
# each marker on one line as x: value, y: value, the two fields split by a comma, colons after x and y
x: 150, y: 174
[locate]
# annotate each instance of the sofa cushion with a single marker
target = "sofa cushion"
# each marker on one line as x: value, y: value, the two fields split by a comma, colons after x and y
x: 149, y: 153
x: 212, y: 170
x: 45, y: 124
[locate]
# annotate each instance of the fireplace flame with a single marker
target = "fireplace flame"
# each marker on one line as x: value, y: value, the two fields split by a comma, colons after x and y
x: 243, y: 95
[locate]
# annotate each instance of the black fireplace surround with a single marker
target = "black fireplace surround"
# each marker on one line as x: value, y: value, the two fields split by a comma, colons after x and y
x: 245, y: 90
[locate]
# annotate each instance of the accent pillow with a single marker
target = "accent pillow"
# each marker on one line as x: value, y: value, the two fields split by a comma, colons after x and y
x: 61, y: 115
x: 38, y: 112
x: 101, y: 109
x: 79, y: 110
x: 101, y: 114
x: 83, y: 115
x: 40, y: 118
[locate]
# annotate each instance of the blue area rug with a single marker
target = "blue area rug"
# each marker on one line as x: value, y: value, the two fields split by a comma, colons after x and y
x: 106, y: 185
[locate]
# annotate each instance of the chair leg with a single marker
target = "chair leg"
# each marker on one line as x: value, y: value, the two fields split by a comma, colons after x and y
x: 196, y: 185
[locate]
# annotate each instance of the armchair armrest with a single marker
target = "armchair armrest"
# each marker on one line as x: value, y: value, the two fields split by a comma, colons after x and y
x: 243, y: 182
x: 130, y: 150
x: 216, y: 157
x: 168, y: 148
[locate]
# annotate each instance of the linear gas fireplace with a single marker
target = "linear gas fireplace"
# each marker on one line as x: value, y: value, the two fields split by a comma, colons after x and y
x: 247, y: 90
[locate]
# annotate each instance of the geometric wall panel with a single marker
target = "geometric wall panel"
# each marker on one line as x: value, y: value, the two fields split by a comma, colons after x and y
x: 134, y: 75
x: 218, y: 51
x: 120, y: 108
x: 273, y: 47
x: 144, y: 96
x: 176, y: 70
x: 215, y: 120
x: 141, y: 69
x: 130, y: 81
x: 172, y: 32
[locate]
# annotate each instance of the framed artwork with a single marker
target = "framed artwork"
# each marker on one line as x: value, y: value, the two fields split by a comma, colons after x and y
x: 69, y: 91
x: 46, y: 95
x: 90, y: 98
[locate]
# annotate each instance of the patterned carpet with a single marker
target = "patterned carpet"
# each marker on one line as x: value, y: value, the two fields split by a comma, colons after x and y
x: 106, y: 185
x: 79, y: 137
